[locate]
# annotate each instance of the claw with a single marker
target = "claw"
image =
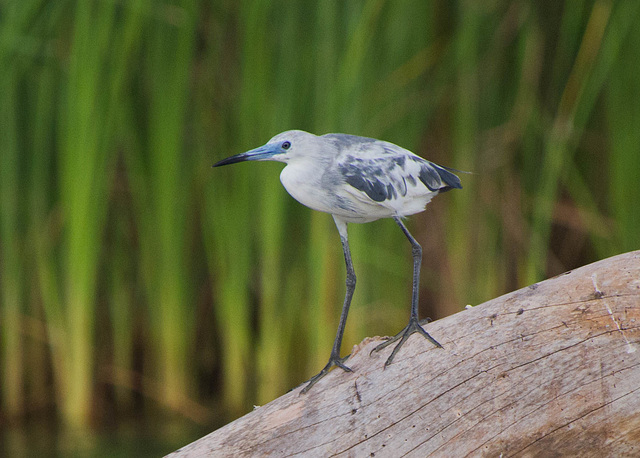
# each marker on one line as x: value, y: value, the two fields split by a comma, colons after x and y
x: 333, y: 361
x: 412, y: 327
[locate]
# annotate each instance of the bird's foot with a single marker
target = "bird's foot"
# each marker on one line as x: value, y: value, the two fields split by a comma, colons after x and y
x: 402, y: 336
x: 334, y: 361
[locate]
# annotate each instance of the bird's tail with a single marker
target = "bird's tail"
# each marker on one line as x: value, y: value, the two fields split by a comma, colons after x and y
x: 448, y: 177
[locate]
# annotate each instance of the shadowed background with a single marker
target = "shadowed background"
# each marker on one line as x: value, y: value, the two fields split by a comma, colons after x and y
x: 146, y: 299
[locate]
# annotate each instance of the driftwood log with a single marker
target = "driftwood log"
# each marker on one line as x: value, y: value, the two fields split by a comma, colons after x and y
x: 552, y: 369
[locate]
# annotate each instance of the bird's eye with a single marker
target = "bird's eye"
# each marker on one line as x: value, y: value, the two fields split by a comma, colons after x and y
x: 286, y: 145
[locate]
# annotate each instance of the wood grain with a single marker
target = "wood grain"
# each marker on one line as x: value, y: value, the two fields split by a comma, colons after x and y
x: 552, y: 369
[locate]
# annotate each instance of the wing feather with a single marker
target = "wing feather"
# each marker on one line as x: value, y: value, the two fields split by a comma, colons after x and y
x: 384, y: 171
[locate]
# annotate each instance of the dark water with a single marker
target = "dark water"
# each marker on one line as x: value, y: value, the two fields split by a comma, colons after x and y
x: 132, y: 438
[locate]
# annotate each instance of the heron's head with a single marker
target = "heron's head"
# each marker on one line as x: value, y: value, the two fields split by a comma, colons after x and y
x: 283, y: 147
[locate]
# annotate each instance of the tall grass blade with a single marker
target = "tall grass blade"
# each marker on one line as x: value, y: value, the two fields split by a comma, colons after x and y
x: 83, y: 183
x: 11, y: 251
x: 165, y: 225
x: 623, y: 89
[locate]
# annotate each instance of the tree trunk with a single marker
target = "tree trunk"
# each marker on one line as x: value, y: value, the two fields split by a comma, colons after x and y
x: 548, y: 370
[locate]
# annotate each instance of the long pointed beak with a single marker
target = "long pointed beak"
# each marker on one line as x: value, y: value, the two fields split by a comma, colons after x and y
x: 263, y: 153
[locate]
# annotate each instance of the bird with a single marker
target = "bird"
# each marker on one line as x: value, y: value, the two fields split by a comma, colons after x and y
x: 357, y: 180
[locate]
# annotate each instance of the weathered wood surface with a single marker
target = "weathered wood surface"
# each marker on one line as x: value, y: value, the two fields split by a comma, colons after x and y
x: 549, y: 370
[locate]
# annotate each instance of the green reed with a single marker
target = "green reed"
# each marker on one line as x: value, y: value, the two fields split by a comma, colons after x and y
x: 128, y: 263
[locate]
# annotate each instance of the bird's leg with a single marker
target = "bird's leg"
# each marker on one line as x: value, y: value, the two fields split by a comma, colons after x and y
x: 414, y: 324
x: 334, y: 359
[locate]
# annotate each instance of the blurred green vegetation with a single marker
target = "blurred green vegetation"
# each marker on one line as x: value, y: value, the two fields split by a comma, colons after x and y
x: 135, y: 281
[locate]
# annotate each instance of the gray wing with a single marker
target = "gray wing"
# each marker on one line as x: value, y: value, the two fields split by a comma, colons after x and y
x: 385, y: 171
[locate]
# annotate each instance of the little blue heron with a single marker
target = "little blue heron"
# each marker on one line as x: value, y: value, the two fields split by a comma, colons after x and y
x: 356, y: 180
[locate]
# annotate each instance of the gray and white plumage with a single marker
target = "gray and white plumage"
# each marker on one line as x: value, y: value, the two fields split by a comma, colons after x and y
x: 357, y: 180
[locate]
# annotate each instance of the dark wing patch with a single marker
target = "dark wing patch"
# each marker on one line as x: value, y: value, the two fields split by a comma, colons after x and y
x: 429, y: 177
x: 374, y: 177
x: 436, y: 177
x: 373, y: 188
x: 450, y: 179
x: 384, y: 174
